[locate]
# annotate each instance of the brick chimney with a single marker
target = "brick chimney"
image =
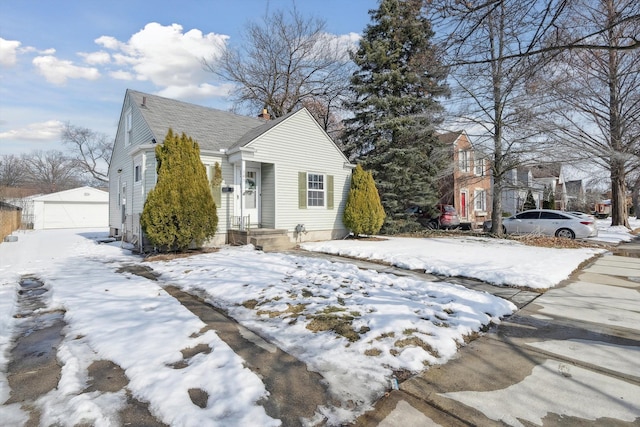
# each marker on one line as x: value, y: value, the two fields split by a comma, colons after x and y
x: 264, y: 115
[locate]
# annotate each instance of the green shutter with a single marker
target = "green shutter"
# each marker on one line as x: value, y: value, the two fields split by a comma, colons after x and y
x: 329, y: 191
x: 302, y: 190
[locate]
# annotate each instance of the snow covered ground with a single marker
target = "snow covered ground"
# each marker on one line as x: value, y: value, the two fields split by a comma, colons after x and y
x: 496, y: 261
x: 386, y: 323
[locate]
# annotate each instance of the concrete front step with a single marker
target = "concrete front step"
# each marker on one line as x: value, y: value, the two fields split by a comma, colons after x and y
x: 271, y: 242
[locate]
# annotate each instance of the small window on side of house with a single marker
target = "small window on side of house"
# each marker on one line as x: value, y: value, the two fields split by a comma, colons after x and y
x: 479, y: 166
x: 463, y: 160
x: 480, y: 200
x: 137, y: 173
x: 315, y: 190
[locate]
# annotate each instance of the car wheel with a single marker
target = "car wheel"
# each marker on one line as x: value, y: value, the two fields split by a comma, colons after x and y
x: 565, y: 233
x: 432, y: 225
x: 504, y: 230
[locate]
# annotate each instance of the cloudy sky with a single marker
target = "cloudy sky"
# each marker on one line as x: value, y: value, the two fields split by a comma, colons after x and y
x: 72, y: 60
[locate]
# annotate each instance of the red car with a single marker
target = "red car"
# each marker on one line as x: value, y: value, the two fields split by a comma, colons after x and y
x: 446, y: 217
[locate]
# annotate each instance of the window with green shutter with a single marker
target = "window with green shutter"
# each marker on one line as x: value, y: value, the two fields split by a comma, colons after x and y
x: 302, y: 190
x: 315, y: 190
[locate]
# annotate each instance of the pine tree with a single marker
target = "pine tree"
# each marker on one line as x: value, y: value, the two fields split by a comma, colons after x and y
x: 395, y: 106
x: 363, y: 213
x: 529, y: 203
x: 179, y: 211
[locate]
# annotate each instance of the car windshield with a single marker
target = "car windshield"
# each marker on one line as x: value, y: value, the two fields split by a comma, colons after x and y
x: 449, y: 209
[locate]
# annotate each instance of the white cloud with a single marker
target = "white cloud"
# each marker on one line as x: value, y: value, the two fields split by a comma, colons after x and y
x: 108, y: 42
x: 167, y: 57
x: 96, y: 58
x: 8, y: 52
x: 203, y: 90
x: 44, y: 131
x: 57, y: 71
x: 121, y: 75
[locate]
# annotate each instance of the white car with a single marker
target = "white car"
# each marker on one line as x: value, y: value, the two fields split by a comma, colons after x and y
x: 550, y: 223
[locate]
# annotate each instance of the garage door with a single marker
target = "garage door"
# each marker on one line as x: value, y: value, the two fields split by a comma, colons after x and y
x: 75, y: 215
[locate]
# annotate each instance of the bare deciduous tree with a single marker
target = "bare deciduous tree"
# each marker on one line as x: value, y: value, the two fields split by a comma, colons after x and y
x: 285, y: 61
x: 491, y: 81
x: 547, y: 35
x: 12, y: 171
x: 92, y: 150
x: 51, y: 171
x: 599, y: 94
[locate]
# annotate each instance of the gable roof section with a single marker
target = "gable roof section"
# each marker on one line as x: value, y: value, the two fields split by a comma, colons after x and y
x: 88, y: 194
x: 547, y: 170
x: 212, y: 129
x: 257, y: 131
x: 449, y: 137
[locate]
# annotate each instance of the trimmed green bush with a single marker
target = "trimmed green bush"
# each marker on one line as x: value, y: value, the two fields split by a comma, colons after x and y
x: 529, y: 203
x: 363, y: 213
x: 179, y: 212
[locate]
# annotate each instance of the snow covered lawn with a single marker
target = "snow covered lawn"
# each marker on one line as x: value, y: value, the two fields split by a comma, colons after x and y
x: 496, y: 261
x: 355, y: 327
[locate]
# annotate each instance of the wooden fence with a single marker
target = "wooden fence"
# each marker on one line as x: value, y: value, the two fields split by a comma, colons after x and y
x: 10, y: 217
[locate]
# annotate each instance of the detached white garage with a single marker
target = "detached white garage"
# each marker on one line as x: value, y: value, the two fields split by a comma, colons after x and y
x: 83, y: 207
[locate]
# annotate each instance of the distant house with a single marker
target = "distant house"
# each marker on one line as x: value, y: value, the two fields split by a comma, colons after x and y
x: 518, y: 183
x: 283, y: 180
x: 468, y: 186
x: 543, y: 181
x: 576, y: 196
x: 551, y: 177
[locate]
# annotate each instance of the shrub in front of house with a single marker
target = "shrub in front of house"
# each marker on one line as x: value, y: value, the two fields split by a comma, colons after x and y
x: 363, y: 213
x: 179, y: 211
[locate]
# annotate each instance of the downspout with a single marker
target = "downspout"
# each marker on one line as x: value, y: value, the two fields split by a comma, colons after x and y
x: 143, y: 197
x: 243, y: 166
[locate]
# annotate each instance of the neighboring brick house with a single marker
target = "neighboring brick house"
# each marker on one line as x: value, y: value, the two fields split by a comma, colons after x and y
x: 468, y: 186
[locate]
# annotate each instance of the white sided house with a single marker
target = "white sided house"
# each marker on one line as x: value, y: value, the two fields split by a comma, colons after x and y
x: 283, y: 180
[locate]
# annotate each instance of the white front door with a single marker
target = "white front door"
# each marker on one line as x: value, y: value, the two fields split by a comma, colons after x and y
x: 249, y: 200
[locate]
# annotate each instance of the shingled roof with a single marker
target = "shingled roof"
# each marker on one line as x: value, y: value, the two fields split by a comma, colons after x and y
x: 212, y: 129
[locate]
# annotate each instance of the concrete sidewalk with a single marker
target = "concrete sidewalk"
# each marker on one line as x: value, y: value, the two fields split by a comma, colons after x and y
x: 570, y: 357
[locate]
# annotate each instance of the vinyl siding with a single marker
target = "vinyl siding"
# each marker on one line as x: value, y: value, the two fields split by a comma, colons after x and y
x: 122, y: 159
x: 297, y: 145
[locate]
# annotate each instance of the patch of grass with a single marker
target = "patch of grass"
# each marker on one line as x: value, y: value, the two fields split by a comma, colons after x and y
x: 250, y: 304
x: 295, y: 309
x: 386, y: 335
x: 332, y: 318
x: 270, y: 313
x: 306, y: 293
x: 409, y: 331
x: 416, y: 342
x: 341, y: 301
x: 373, y: 352
x: 448, y: 311
x: 332, y: 309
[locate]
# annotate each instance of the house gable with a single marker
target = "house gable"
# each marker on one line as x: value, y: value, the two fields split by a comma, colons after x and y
x: 296, y: 144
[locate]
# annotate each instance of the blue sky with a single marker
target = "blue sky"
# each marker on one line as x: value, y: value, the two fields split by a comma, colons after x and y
x: 72, y: 60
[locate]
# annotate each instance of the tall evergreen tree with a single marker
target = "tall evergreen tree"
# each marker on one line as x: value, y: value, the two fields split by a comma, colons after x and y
x: 180, y: 210
x: 395, y: 104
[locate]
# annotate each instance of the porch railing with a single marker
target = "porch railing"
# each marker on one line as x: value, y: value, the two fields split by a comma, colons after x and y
x: 241, y: 222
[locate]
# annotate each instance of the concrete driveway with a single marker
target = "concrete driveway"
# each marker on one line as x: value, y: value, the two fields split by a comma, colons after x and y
x: 570, y: 357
